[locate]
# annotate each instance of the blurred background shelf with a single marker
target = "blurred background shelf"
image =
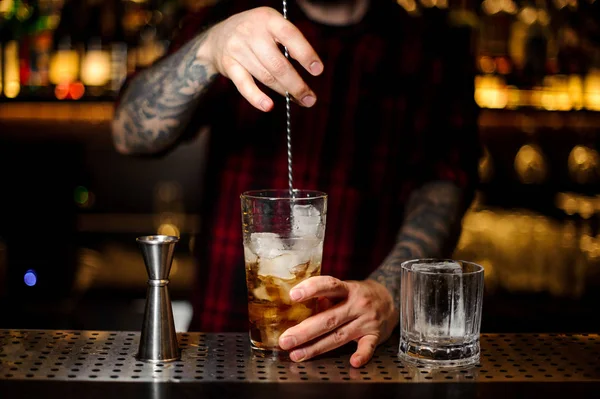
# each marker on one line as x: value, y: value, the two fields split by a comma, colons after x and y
x: 86, y: 112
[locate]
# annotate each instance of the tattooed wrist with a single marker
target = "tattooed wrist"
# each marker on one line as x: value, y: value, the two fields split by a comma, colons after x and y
x: 159, y: 102
x: 431, y: 213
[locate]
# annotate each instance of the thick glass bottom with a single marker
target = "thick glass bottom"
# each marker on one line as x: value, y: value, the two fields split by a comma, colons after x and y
x: 440, y: 355
x: 272, y: 353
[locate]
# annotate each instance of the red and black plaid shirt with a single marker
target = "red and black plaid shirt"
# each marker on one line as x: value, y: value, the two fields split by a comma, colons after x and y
x: 395, y: 109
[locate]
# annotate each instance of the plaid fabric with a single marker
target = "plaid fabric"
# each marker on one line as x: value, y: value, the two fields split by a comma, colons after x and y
x: 395, y: 109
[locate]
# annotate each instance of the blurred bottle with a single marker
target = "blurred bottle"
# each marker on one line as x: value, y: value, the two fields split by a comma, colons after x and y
x: 494, y: 62
x: 538, y: 54
x: 151, y: 28
x: 114, y: 32
x: 134, y: 18
x: 51, y: 48
x: 495, y: 28
x: 6, y: 9
x: 516, y: 43
x: 69, y: 40
x: 44, y: 20
x: 27, y: 12
x: 14, y: 14
x: 151, y: 45
x: 96, y: 62
x: 573, y: 57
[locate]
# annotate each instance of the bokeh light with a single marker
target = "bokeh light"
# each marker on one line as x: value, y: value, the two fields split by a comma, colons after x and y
x: 30, y: 278
x: 584, y: 164
x: 530, y: 164
x: 81, y: 195
x: 168, y: 229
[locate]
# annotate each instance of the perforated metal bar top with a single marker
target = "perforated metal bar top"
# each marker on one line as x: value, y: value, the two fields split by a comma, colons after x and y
x: 110, y: 356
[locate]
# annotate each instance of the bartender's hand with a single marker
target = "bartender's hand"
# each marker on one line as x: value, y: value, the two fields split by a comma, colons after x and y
x: 361, y: 311
x: 246, y: 46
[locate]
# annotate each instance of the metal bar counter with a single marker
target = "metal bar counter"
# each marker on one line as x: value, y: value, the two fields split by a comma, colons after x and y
x: 65, y: 364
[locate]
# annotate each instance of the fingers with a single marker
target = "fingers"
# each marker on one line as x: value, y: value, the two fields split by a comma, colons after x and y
x: 249, y: 40
x: 247, y: 87
x: 317, y: 326
x: 299, y: 48
x: 362, y: 314
x: 255, y: 67
x: 333, y: 340
x: 321, y: 323
x: 318, y: 286
x: 279, y: 74
x: 364, y: 351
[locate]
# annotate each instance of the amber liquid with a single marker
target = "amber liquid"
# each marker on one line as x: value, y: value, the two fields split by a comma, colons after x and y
x: 270, y: 308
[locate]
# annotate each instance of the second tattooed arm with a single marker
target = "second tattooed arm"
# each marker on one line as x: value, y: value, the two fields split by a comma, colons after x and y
x: 432, y: 214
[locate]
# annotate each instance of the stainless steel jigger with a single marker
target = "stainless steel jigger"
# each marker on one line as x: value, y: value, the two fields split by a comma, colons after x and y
x: 158, y: 341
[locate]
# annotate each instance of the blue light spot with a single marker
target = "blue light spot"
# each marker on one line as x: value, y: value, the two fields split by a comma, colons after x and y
x: 30, y: 278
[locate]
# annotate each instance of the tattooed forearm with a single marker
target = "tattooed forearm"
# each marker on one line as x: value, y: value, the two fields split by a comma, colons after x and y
x: 159, y: 102
x: 431, y: 214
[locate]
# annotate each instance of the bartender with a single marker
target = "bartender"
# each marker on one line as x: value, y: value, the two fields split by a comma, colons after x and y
x: 383, y: 120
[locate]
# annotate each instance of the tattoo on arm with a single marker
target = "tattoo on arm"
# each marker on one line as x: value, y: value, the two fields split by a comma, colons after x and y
x: 159, y: 102
x: 431, y: 213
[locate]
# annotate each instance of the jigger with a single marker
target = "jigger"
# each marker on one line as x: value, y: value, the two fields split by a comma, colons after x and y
x: 158, y: 341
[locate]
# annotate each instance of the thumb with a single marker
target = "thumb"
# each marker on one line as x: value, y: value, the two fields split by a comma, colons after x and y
x: 364, y: 351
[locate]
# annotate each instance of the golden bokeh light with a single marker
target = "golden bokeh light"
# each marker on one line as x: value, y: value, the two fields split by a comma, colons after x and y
x: 522, y: 251
x: 492, y: 7
x: 530, y: 164
x: 487, y: 64
x: 409, y: 5
x: 95, y: 68
x: 560, y: 4
x: 528, y: 15
x: 586, y: 209
x: 491, y: 92
x: 582, y: 205
x: 12, y: 80
x: 558, y: 93
x: 441, y: 4
x: 64, y: 67
x: 509, y: 7
x: 542, y: 17
x: 575, y: 88
x: 592, y: 90
x: 567, y: 203
x: 584, y: 164
x: 6, y: 6
x: 168, y: 229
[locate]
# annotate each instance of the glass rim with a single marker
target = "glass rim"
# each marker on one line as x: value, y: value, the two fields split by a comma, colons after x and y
x: 282, y: 194
x: 404, y: 265
x: 157, y: 239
